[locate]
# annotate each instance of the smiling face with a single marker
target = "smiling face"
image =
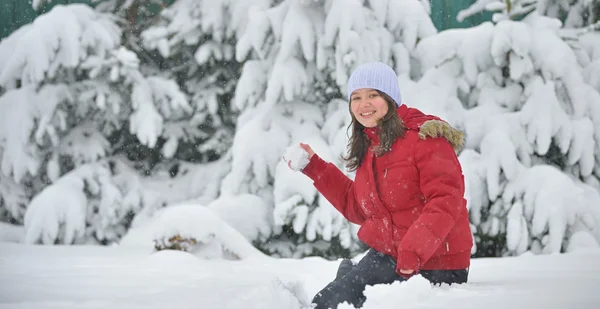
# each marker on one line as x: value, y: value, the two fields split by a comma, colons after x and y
x: 368, y: 107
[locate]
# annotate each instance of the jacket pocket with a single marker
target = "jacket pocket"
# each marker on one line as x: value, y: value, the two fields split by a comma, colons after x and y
x: 455, y: 243
x: 399, y: 170
x: 395, y: 165
x: 398, y: 185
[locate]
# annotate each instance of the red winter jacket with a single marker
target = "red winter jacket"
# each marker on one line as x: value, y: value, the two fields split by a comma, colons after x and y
x: 409, y: 201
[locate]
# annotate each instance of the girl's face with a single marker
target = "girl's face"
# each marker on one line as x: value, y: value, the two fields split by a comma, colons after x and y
x: 368, y: 107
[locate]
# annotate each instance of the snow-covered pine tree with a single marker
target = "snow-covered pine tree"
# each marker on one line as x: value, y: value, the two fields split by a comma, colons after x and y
x: 530, y: 106
x: 70, y: 90
x: 187, y: 42
x: 193, y: 42
x: 297, y: 57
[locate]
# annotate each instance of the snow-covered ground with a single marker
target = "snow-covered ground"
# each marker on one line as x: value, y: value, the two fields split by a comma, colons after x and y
x: 129, y: 277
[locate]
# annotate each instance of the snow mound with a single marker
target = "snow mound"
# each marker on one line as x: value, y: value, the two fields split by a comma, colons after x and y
x: 11, y: 233
x: 172, y: 257
x: 212, y: 236
x: 276, y: 294
x: 582, y: 241
x: 407, y: 294
x: 248, y: 213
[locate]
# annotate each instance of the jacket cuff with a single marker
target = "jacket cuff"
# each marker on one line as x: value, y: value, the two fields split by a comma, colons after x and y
x: 315, y: 167
x: 407, y: 260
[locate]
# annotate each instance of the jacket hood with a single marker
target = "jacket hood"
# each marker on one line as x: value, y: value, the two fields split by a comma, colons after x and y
x: 431, y: 126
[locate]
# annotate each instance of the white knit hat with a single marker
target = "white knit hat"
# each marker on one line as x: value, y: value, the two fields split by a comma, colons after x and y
x: 378, y: 76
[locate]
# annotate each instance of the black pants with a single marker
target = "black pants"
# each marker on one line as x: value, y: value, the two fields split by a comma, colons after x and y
x: 375, y: 268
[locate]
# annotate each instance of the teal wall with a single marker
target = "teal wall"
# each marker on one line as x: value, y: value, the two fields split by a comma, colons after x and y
x: 16, y: 13
x: 443, y: 14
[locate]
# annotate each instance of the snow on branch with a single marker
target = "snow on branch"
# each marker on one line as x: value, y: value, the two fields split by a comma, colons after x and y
x: 255, y: 158
x: 508, y: 9
x: 552, y: 202
x: 335, y: 36
x: 58, y: 213
x: 186, y: 22
x: 14, y: 197
x: 89, y: 203
x: 572, y: 35
x: 409, y: 20
x: 84, y: 144
x: 27, y: 113
x: 154, y: 99
x: 478, y: 7
x: 250, y: 87
x: 38, y: 4
x: 61, y: 38
x: 285, y: 86
x: 294, y: 38
x: 543, y: 116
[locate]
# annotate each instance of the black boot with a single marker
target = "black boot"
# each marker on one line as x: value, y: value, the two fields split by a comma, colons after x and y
x: 345, y: 267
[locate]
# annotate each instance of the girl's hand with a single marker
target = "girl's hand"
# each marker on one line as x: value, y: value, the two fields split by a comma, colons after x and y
x: 308, y: 150
x: 407, y: 271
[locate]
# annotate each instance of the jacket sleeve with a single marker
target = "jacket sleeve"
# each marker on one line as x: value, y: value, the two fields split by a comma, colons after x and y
x: 336, y: 187
x: 442, y: 184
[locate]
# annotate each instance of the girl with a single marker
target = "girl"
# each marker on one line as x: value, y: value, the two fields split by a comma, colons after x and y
x: 407, y: 195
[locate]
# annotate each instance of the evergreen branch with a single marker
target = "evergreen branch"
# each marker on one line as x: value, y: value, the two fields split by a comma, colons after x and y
x: 520, y: 11
x: 593, y: 27
x: 570, y: 35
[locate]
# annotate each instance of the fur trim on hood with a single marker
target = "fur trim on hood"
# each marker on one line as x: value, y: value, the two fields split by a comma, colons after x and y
x: 431, y: 126
x: 439, y: 128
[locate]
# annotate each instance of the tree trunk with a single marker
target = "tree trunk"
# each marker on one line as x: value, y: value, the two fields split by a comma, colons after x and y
x: 132, y: 13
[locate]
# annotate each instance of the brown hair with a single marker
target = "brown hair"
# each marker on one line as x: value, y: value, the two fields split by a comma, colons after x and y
x: 390, y: 126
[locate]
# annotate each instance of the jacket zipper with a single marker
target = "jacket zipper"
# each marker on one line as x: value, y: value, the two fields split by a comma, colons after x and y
x: 385, y: 173
x: 447, y: 247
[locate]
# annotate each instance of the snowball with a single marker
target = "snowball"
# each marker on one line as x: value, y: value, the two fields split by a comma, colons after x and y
x: 296, y: 157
